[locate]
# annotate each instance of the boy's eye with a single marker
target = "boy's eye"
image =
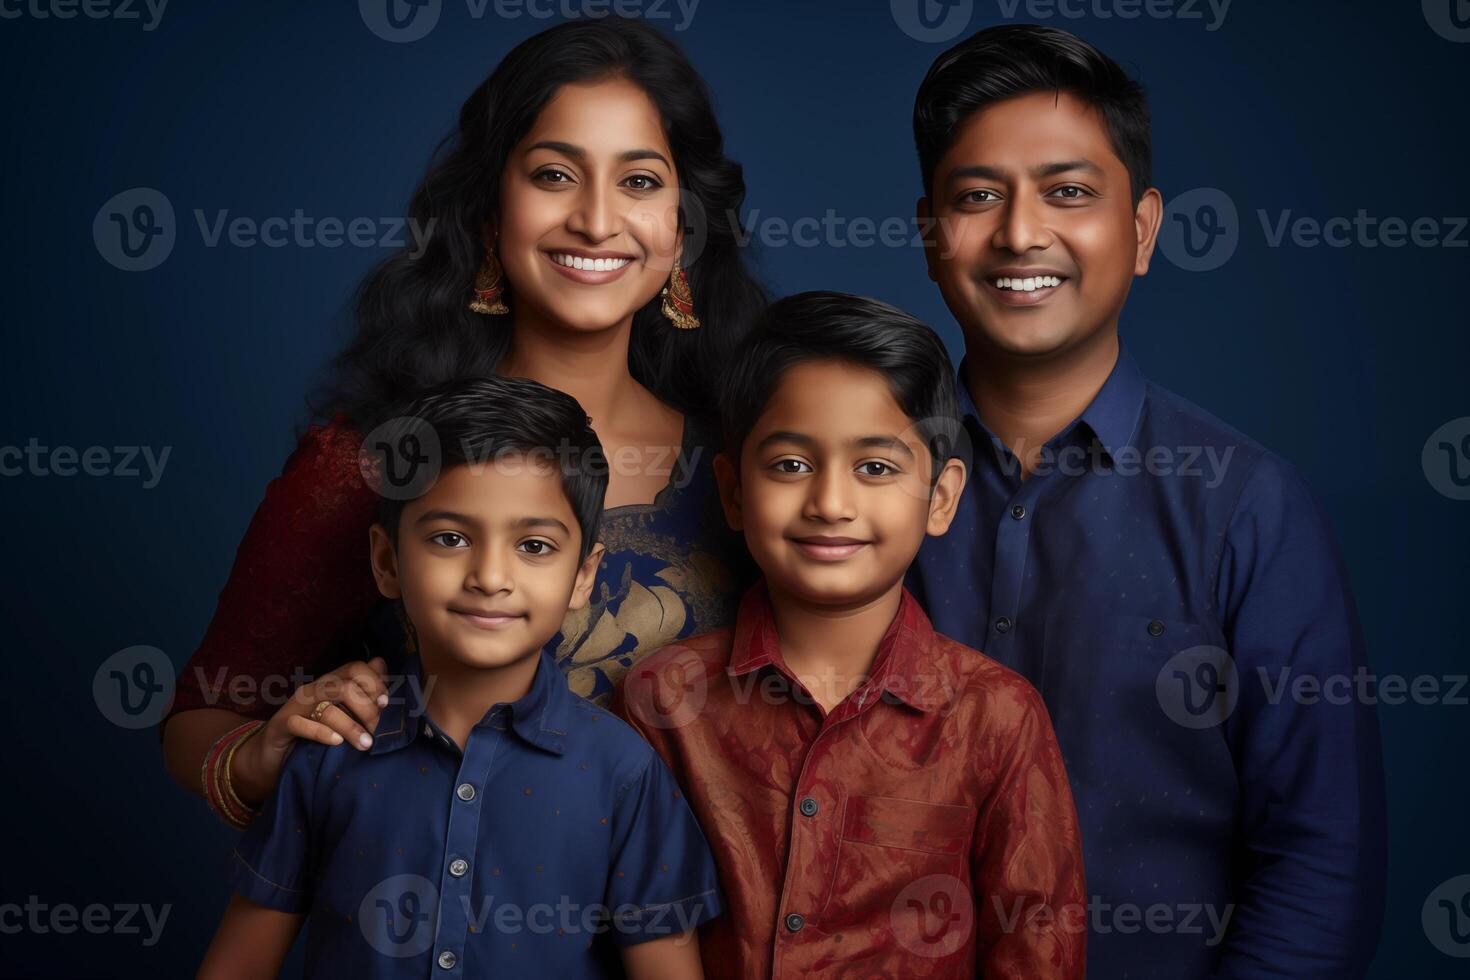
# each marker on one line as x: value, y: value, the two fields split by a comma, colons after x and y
x: 790, y: 466
x: 537, y: 547
x: 875, y: 468
x: 450, y: 539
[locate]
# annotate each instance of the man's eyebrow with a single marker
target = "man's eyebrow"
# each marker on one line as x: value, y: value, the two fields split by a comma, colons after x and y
x: 862, y: 442
x: 985, y: 172
x: 1066, y: 166
x: 572, y: 150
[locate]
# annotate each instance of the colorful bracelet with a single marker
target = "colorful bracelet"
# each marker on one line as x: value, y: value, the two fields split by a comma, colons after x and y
x: 214, y: 776
x: 230, y: 795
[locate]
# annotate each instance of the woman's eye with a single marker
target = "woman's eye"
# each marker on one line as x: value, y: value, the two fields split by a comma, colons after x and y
x: 643, y: 182
x: 553, y: 177
x: 450, y: 539
x: 875, y: 468
x: 537, y: 547
x: 790, y: 466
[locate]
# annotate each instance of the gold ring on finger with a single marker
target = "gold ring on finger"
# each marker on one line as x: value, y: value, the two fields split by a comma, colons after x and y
x: 320, y: 709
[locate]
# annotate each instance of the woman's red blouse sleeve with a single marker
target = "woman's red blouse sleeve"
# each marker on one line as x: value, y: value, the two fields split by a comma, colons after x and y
x: 300, y: 589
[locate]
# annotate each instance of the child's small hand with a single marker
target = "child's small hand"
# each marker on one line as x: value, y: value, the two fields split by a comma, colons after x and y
x: 358, y: 692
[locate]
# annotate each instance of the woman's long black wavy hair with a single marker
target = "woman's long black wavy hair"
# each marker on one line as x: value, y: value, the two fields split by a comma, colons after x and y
x: 414, y: 327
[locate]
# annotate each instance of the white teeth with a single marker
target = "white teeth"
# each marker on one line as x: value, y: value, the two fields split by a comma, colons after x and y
x: 589, y: 265
x: 1027, y: 285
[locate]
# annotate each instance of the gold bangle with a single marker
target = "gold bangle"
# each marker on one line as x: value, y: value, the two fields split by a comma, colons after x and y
x: 249, y: 812
x: 209, y: 775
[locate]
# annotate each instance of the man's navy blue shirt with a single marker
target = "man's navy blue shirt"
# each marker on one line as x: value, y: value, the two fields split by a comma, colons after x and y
x: 1167, y: 584
x: 556, y: 837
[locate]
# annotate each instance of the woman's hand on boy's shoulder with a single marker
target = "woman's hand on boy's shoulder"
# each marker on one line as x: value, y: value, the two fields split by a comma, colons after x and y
x: 358, y: 692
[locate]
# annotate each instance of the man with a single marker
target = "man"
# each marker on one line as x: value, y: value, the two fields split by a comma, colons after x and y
x: 1164, y: 581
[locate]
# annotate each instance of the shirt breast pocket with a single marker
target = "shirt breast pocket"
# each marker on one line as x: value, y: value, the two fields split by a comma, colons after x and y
x: 1135, y: 694
x: 888, y: 843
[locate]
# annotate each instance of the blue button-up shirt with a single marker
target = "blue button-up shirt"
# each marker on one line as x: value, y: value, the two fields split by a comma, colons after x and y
x: 1174, y: 592
x: 557, y: 836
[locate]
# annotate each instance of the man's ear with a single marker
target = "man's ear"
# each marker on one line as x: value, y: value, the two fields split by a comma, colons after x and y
x: 727, y: 475
x: 384, y: 561
x: 945, y: 499
x: 586, y: 576
x: 1147, y: 218
x: 927, y: 228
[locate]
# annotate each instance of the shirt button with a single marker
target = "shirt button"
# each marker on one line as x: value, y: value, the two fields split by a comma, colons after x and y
x: 1156, y: 628
x: 809, y: 806
x: 458, y: 867
x: 447, y: 959
x: 1018, y: 512
x: 795, y: 921
x: 1003, y: 625
x: 465, y: 792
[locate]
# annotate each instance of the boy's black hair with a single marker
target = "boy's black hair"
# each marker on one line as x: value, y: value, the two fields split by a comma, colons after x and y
x: 819, y: 326
x: 1014, y: 59
x: 483, y: 419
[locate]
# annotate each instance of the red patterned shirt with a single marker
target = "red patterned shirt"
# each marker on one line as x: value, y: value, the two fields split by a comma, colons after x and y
x: 923, y: 828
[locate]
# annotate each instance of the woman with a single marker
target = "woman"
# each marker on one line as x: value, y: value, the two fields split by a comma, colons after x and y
x: 557, y: 250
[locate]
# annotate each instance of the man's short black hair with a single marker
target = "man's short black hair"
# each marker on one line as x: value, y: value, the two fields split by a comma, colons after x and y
x: 481, y: 420
x: 819, y: 326
x: 1015, y: 59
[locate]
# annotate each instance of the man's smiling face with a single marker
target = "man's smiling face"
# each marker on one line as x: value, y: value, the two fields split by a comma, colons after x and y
x: 1037, y: 238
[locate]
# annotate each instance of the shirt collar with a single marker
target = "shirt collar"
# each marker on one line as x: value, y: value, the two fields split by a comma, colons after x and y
x: 539, y: 718
x: 901, y: 671
x: 1112, y: 415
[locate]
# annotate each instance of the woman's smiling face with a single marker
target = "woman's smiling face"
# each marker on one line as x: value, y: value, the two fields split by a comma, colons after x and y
x: 589, y: 207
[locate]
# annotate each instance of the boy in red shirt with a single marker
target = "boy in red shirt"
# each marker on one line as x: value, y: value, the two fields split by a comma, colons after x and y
x: 881, y: 800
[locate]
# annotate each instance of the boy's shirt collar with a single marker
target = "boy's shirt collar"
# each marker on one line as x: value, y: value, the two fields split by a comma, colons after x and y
x: 1112, y: 415
x: 900, y: 673
x: 539, y: 718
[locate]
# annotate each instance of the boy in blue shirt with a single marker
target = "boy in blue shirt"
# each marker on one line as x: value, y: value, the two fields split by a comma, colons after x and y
x: 498, y: 825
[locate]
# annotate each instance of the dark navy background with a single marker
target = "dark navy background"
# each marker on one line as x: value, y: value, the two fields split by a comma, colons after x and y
x: 1344, y: 360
